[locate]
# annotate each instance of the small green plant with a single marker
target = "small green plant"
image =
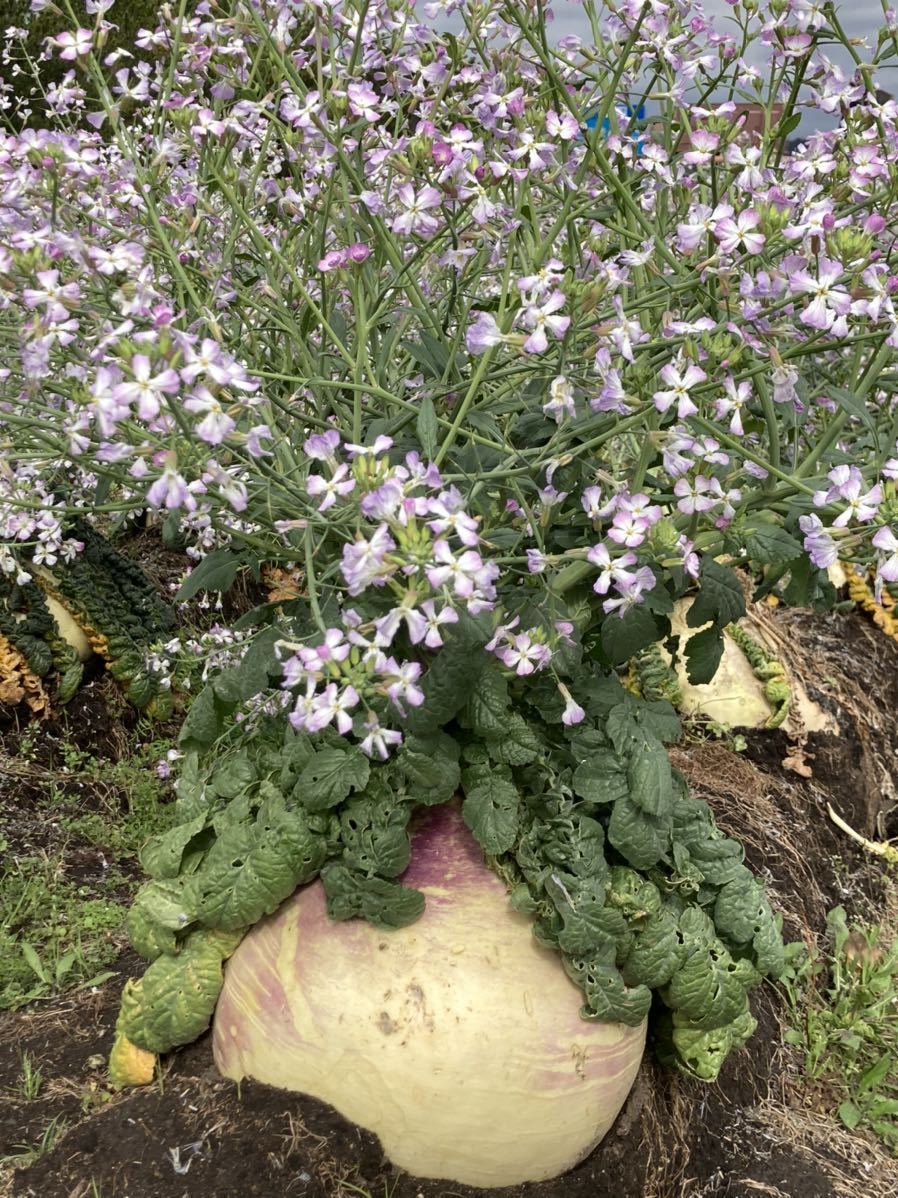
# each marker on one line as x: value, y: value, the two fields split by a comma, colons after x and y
x: 844, y: 1007
x: 23, y: 1156
x: 30, y: 1079
x: 58, y: 931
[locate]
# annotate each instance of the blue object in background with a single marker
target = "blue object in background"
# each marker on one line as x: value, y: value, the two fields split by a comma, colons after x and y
x: 628, y: 110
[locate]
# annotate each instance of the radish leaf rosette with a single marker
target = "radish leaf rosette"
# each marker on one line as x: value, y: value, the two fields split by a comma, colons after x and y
x: 592, y: 830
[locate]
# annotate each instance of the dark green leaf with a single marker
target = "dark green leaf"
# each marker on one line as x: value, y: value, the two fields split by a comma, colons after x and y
x: 703, y: 654
x: 329, y: 776
x: 216, y: 572
x: 491, y: 808
x: 641, y: 839
x: 205, y: 720
x: 720, y: 598
x: 600, y: 778
x: 427, y: 427
x: 384, y: 904
x: 771, y: 545
x: 651, y: 788
x: 854, y: 406
x: 622, y: 636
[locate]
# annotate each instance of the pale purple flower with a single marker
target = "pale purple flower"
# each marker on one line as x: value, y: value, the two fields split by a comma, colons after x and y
x: 628, y: 528
x: 694, y: 496
x: 536, y: 561
x: 819, y: 545
x: 170, y: 491
x: 737, y: 396
x: 540, y: 317
x: 146, y: 390
x: 323, y: 447
x: 333, y: 706
x: 467, y: 572
x: 886, y: 541
x: 561, y: 399
x: 363, y: 101
x: 75, y: 45
x: 433, y: 639
x: 483, y: 334
x: 680, y: 378
x: 365, y: 561
x: 334, y: 648
x: 573, y: 713
x: 592, y: 502
x: 736, y: 234
x: 693, y: 232
x: 381, y: 445
x: 565, y: 127
x: 379, y: 741
x: 631, y: 587
x: 830, y: 304
x: 417, y: 218
x: 216, y: 424
x: 337, y: 486
x: 704, y: 145
x: 406, y: 611
x: 402, y: 683
x: 847, y: 487
x: 523, y: 654
x: 610, y: 569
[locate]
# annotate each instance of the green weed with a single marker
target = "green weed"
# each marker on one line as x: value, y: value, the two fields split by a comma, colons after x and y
x: 30, y: 1079
x: 844, y: 1007
x: 58, y: 931
x: 25, y: 1155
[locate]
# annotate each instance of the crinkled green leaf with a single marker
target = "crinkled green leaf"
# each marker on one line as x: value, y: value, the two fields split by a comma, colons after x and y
x: 375, y: 838
x: 651, y: 788
x: 451, y: 676
x: 489, y: 706
x: 771, y: 545
x: 709, y: 988
x: 160, y: 911
x: 254, y: 866
x: 205, y: 720
x: 235, y: 776
x: 701, y: 1052
x: 491, y: 808
x: 161, y: 857
x: 329, y: 776
x: 633, y: 895
x: 430, y: 765
x: 623, y: 727
x: 640, y: 838
x: 384, y: 904
x: 720, y: 598
x: 518, y: 743
x: 623, y: 636
x: 656, y: 954
x: 601, y: 778
x: 608, y: 998
x: 589, y: 927
x: 173, y: 1002
x: 659, y: 718
x: 742, y: 915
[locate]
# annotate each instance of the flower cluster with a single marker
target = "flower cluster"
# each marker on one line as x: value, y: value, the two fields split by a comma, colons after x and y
x: 444, y: 321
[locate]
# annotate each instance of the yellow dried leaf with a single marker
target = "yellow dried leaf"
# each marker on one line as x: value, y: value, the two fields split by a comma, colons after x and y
x: 18, y: 682
x: 130, y: 1065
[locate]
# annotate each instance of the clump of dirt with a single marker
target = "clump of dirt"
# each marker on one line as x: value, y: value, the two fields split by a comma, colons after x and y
x: 753, y: 1133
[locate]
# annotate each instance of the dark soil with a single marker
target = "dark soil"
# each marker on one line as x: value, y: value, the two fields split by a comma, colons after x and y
x: 753, y: 1133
